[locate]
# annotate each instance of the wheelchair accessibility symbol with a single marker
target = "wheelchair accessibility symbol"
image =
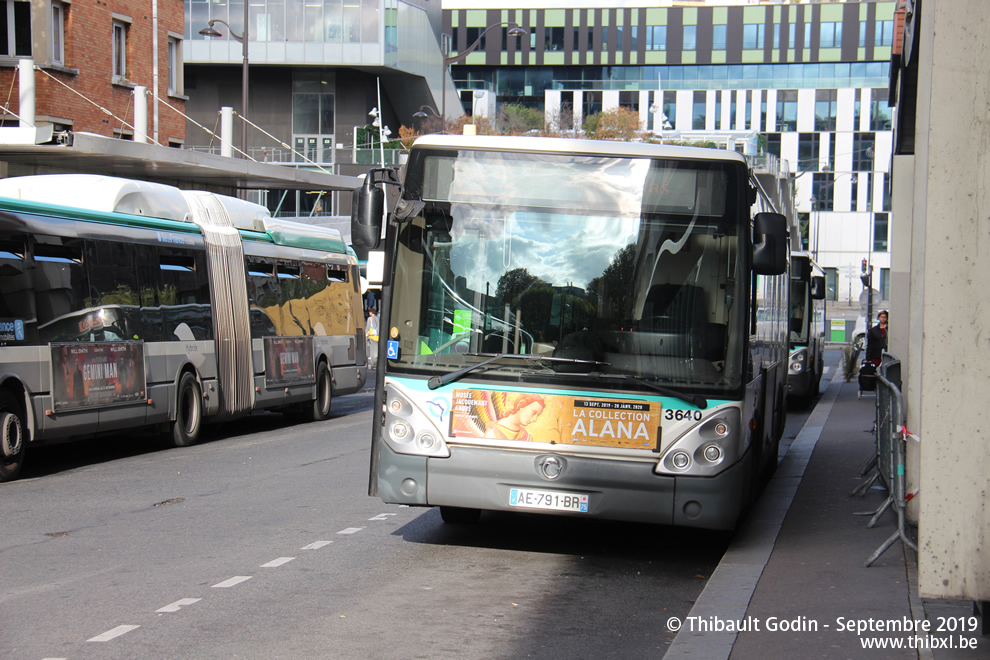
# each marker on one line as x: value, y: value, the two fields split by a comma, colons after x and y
x: 392, y: 349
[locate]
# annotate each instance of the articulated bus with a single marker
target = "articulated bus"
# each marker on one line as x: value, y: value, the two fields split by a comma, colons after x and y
x: 128, y: 304
x: 807, y: 329
x: 577, y: 327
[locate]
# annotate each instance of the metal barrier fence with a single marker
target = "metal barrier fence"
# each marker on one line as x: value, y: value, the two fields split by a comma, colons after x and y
x: 891, y: 449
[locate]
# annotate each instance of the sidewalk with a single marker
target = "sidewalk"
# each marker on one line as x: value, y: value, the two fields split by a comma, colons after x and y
x: 792, y: 583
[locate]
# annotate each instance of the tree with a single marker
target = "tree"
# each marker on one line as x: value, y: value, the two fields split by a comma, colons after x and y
x: 614, y: 124
x: 612, y: 290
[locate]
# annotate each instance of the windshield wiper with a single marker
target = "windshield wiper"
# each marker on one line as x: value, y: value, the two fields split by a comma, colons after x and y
x: 695, y: 400
x: 440, y: 381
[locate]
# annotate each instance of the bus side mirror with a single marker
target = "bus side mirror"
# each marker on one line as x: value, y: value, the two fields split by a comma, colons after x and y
x: 367, y: 208
x: 818, y: 288
x: 770, y: 244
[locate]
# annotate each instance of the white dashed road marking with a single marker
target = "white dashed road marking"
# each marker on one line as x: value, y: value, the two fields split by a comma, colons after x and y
x: 316, y: 545
x: 382, y: 516
x: 177, y: 605
x: 350, y: 530
x: 277, y: 562
x: 111, y: 634
x: 237, y: 579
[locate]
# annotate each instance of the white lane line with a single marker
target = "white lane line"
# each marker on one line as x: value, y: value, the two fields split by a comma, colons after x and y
x: 316, y: 545
x: 177, y: 605
x: 237, y: 579
x: 350, y: 530
x: 826, y: 370
x: 111, y: 634
x: 275, y: 563
x: 382, y: 516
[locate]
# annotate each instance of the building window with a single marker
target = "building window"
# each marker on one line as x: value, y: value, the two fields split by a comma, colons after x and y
x: 807, y: 36
x: 700, y: 111
x: 669, y: 109
x: 791, y: 35
x: 831, y: 283
x: 808, y: 145
x: 175, y: 86
x: 885, y: 284
x: 773, y: 144
x: 863, y: 152
x: 776, y: 36
x: 822, y: 186
x: 554, y: 38
x: 690, y: 37
x: 656, y: 37
x: 119, y: 51
x: 854, y: 193
x: 879, y: 232
x: 718, y: 37
x: 885, y: 191
x: 825, y: 109
x: 862, y: 34
x: 753, y: 35
x: 786, y: 110
x: 885, y: 33
x: 15, y: 28
x: 830, y: 35
x: 634, y: 39
x: 804, y: 225
x: 879, y: 111
x: 58, y: 33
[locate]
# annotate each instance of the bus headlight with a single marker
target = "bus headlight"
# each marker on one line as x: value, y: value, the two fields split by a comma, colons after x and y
x: 707, y: 448
x: 797, y: 361
x: 410, y: 429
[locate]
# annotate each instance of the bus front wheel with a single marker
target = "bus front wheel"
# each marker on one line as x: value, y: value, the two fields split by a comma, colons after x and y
x: 12, y: 441
x: 188, y: 412
x: 455, y: 515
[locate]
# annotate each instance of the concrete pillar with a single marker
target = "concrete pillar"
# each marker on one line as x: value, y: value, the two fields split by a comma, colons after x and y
x: 226, y: 132
x: 140, y: 114
x: 25, y: 79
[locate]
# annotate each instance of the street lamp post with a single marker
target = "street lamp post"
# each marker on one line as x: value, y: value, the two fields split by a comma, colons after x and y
x: 426, y: 111
x: 210, y: 31
x: 514, y: 31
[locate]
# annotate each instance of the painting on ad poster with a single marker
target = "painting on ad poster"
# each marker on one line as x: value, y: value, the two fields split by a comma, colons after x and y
x: 91, y: 374
x: 532, y: 417
x: 289, y: 361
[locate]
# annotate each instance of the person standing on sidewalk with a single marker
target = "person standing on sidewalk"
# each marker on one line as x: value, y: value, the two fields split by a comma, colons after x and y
x: 876, y: 339
x: 371, y: 331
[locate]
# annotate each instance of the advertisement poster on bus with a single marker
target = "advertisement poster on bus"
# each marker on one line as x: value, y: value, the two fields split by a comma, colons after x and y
x: 93, y: 374
x: 531, y: 417
x: 289, y: 361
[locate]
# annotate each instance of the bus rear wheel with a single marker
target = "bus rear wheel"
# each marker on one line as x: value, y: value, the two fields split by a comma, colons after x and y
x: 188, y: 412
x: 319, y: 408
x: 12, y: 440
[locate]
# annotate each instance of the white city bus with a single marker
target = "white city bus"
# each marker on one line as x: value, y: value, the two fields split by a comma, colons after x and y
x: 129, y: 304
x: 577, y: 327
x: 807, y: 329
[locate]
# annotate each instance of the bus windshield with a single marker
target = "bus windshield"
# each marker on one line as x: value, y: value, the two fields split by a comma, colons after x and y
x: 630, y: 263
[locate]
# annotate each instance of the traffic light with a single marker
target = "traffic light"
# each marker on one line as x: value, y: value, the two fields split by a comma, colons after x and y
x: 865, y: 275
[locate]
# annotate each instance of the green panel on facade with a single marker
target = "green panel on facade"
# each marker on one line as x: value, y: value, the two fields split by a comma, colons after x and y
x: 775, y: 56
x: 720, y: 15
x: 589, y: 58
x: 881, y: 53
x: 863, y: 11
x: 618, y: 58
x: 633, y: 58
x: 790, y: 55
x: 689, y: 57
x: 455, y: 17
x: 555, y: 17
x: 655, y: 57
x: 885, y: 11
x: 754, y: 56
x: 656, y: 16
x: 776, y: 14
x: 829, y: 54
x: 605, y: 16
x: 475, y: 58
x: 838, y: 333
x: 754, y: 14
x: 718, y: 57
x: 831, y: 13
x: 476, y: 18
x: 555, y: 58
x: 690, y: 16
x: 861, y: 55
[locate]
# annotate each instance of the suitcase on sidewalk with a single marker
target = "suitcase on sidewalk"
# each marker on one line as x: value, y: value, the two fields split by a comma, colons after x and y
x: 867, y: 376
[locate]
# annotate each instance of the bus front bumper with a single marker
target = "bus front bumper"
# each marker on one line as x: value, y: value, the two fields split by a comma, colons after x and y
x: 482, y: 478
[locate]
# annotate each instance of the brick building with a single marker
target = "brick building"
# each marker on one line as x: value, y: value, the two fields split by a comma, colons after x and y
x: 92, y: 55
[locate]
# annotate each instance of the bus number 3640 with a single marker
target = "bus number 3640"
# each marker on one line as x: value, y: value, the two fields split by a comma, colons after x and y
x: 683, y: 414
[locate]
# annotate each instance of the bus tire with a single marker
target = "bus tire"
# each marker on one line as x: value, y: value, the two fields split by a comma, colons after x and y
x: 188, y: 412
x: 455, y: 515
x: 319, y: 408
x: 12, y: 440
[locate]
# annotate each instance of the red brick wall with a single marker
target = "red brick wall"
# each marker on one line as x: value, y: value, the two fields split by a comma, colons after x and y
x: 88, y: 49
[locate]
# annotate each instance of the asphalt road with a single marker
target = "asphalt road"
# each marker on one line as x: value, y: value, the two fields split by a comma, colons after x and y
x: 261, y: 542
